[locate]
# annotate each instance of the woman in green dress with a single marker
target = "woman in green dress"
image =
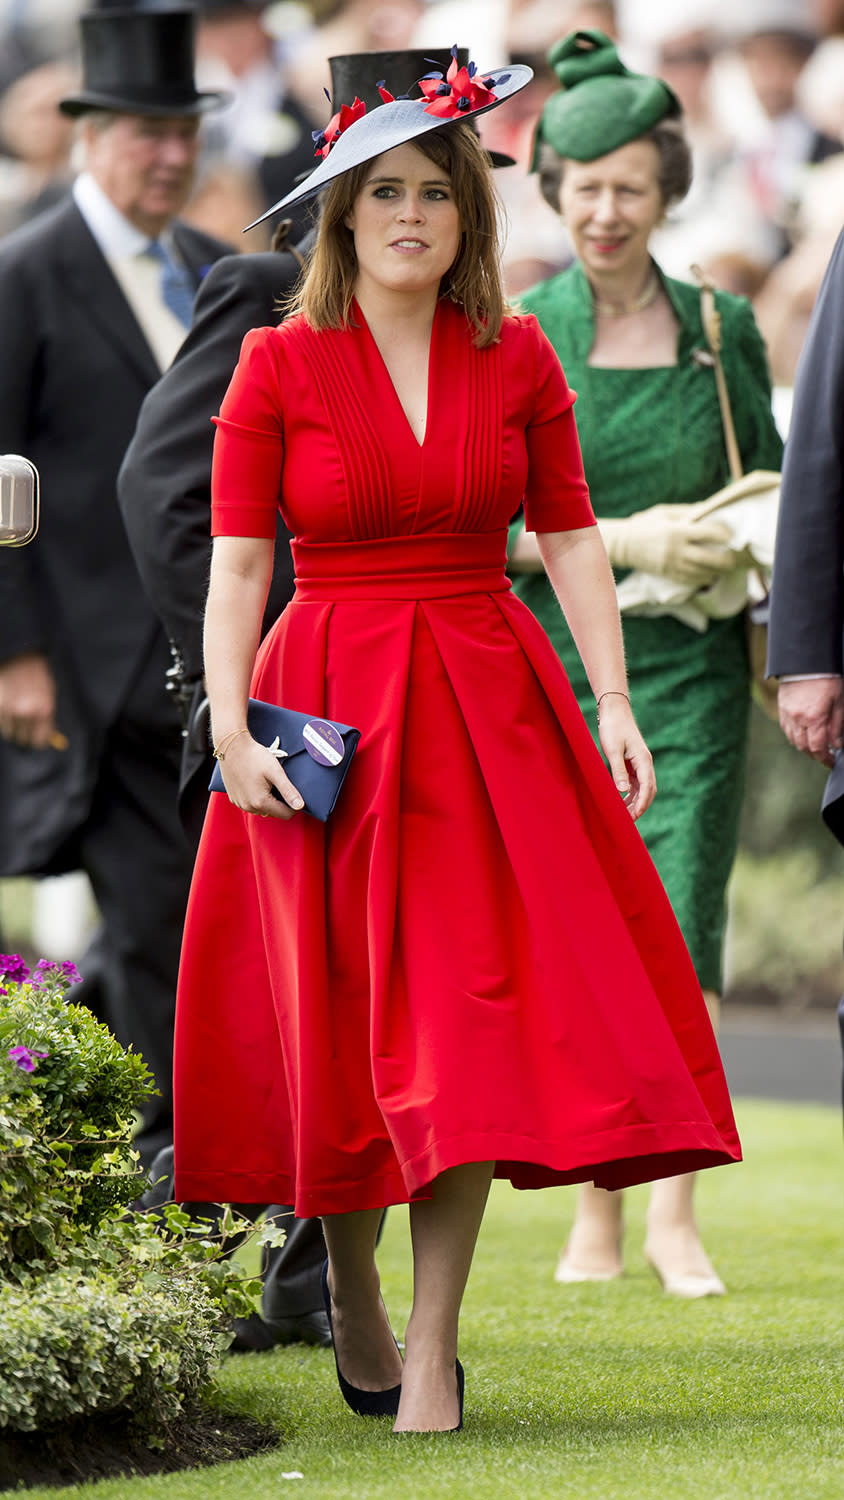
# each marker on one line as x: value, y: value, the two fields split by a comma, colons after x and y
x: 612, y: 159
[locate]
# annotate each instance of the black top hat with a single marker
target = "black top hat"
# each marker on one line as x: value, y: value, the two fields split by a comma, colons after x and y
x: 358, y: 74
x: 139, y: 62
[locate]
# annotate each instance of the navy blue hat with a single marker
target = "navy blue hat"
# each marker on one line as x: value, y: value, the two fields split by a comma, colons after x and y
x: 356, y: 135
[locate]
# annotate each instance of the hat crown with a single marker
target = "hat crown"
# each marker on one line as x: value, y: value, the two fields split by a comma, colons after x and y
x: 141, y: 48
x: 138, y: 61
x: 357, y: 74
x: 583, y: 55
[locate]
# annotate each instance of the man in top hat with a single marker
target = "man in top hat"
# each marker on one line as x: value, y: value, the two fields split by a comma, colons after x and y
x: 165, y: 496
x: 95, y: 297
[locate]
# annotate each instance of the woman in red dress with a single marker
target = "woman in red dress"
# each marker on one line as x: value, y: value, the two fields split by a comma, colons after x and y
x: 471, y: 969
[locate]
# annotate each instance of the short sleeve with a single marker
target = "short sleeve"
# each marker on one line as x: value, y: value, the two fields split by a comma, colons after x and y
x: 249, y: 444
x: 556, y: 493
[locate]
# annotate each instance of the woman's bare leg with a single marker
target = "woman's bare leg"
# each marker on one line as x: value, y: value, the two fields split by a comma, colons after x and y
x: 673, y: 1244
x: 365, y: 1347
x: 444, y: 1231
x: 593, y: 1250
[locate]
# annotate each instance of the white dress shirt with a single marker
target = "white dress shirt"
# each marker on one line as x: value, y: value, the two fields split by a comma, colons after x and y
x: 138, y: 274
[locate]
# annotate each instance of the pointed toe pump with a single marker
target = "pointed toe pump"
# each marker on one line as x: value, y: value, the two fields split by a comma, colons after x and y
x: 364, y: 1403
x: 461, y: 1383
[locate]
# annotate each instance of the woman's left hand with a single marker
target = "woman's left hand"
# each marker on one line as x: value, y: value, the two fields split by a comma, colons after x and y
x: 629, y: 758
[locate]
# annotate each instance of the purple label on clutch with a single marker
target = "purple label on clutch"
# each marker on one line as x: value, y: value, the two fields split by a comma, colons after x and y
x: 323, y: 743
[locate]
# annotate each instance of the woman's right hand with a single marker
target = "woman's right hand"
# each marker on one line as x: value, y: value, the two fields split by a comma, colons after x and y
x: 629, y: 759
x: 665, y: 540
x: 249, y: 772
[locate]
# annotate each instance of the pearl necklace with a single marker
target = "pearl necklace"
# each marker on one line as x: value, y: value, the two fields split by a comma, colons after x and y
x: 644, y: 299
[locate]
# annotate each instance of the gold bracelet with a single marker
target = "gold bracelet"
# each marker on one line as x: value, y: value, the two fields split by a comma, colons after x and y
x: 220, y: 750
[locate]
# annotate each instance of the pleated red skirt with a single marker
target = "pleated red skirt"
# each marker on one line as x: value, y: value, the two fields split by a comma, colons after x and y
x: 473, y: 959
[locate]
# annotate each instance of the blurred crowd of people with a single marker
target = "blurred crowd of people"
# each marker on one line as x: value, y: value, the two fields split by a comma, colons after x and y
x: 762, y: 93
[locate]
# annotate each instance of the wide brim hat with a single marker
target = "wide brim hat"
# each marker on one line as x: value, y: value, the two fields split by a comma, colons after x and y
x: 458, y: 98
x: 600, y: 104
x: 356, y: 75
x: 139, y: 62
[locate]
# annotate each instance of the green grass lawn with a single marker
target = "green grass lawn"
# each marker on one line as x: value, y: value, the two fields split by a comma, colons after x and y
x: 602, y: 1392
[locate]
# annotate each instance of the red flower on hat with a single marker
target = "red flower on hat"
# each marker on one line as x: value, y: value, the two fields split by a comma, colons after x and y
x: 460, y: 91
x: 346, y: 115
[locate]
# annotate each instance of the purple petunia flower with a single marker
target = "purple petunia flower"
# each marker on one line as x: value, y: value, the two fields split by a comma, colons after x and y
x: 25, y: 1058
x: 13, y: 967
x: 46, y: 968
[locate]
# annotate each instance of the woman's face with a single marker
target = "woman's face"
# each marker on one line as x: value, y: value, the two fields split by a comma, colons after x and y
x: 610, y: 206
x: 405, y: 222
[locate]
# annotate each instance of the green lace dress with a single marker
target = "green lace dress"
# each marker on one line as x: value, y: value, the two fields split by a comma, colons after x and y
x: 649, y: 437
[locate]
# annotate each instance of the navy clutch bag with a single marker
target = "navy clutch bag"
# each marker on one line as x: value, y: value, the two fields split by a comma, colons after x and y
x: 315, y: 753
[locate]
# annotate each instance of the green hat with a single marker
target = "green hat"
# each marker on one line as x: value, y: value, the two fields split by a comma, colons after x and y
x: 600, y: 104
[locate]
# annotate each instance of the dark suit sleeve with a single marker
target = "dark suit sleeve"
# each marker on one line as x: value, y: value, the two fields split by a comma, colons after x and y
x: 807, y: 596
x: 164, y: 486
x: 21, y: 629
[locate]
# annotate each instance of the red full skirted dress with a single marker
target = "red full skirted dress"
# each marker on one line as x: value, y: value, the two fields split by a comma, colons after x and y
x: 473, y: 959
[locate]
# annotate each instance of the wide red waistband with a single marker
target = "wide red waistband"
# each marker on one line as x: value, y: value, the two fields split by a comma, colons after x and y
x: 402, y: 567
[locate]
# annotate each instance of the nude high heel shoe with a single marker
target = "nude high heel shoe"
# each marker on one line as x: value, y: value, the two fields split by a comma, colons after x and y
x: 689, y: 1284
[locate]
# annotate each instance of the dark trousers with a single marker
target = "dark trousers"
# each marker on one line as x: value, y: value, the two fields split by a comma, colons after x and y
x: 291, y: 1273
x: 139, y: 862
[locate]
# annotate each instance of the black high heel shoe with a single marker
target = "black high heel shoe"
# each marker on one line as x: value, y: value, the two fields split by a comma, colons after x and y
x: 461, y: 1382
x: 365, y: 1403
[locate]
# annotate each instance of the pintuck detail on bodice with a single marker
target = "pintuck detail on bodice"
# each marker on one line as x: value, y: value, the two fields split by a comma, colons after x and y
x: 344, y: 464
x: 463, y: 455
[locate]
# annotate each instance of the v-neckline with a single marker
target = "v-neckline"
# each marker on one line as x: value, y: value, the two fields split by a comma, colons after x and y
x: 358, y: 311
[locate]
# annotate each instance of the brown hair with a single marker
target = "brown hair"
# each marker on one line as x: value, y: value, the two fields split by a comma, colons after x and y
x: 674, y: 172
x: 325, y: 293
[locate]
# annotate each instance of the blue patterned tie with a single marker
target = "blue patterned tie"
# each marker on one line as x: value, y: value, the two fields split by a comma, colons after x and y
x: 177, y: 289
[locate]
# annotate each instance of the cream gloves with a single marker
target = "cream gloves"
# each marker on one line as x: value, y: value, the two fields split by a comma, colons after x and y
x: 665, y: 540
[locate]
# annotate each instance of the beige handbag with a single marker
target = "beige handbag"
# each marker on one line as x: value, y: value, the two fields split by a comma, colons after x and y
x: 762, y: 484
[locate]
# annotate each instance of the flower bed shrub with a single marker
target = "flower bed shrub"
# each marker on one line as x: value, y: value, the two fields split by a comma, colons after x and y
x: 68, y: 1093
x: 102, y: 1310
x: 77, y: 1345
